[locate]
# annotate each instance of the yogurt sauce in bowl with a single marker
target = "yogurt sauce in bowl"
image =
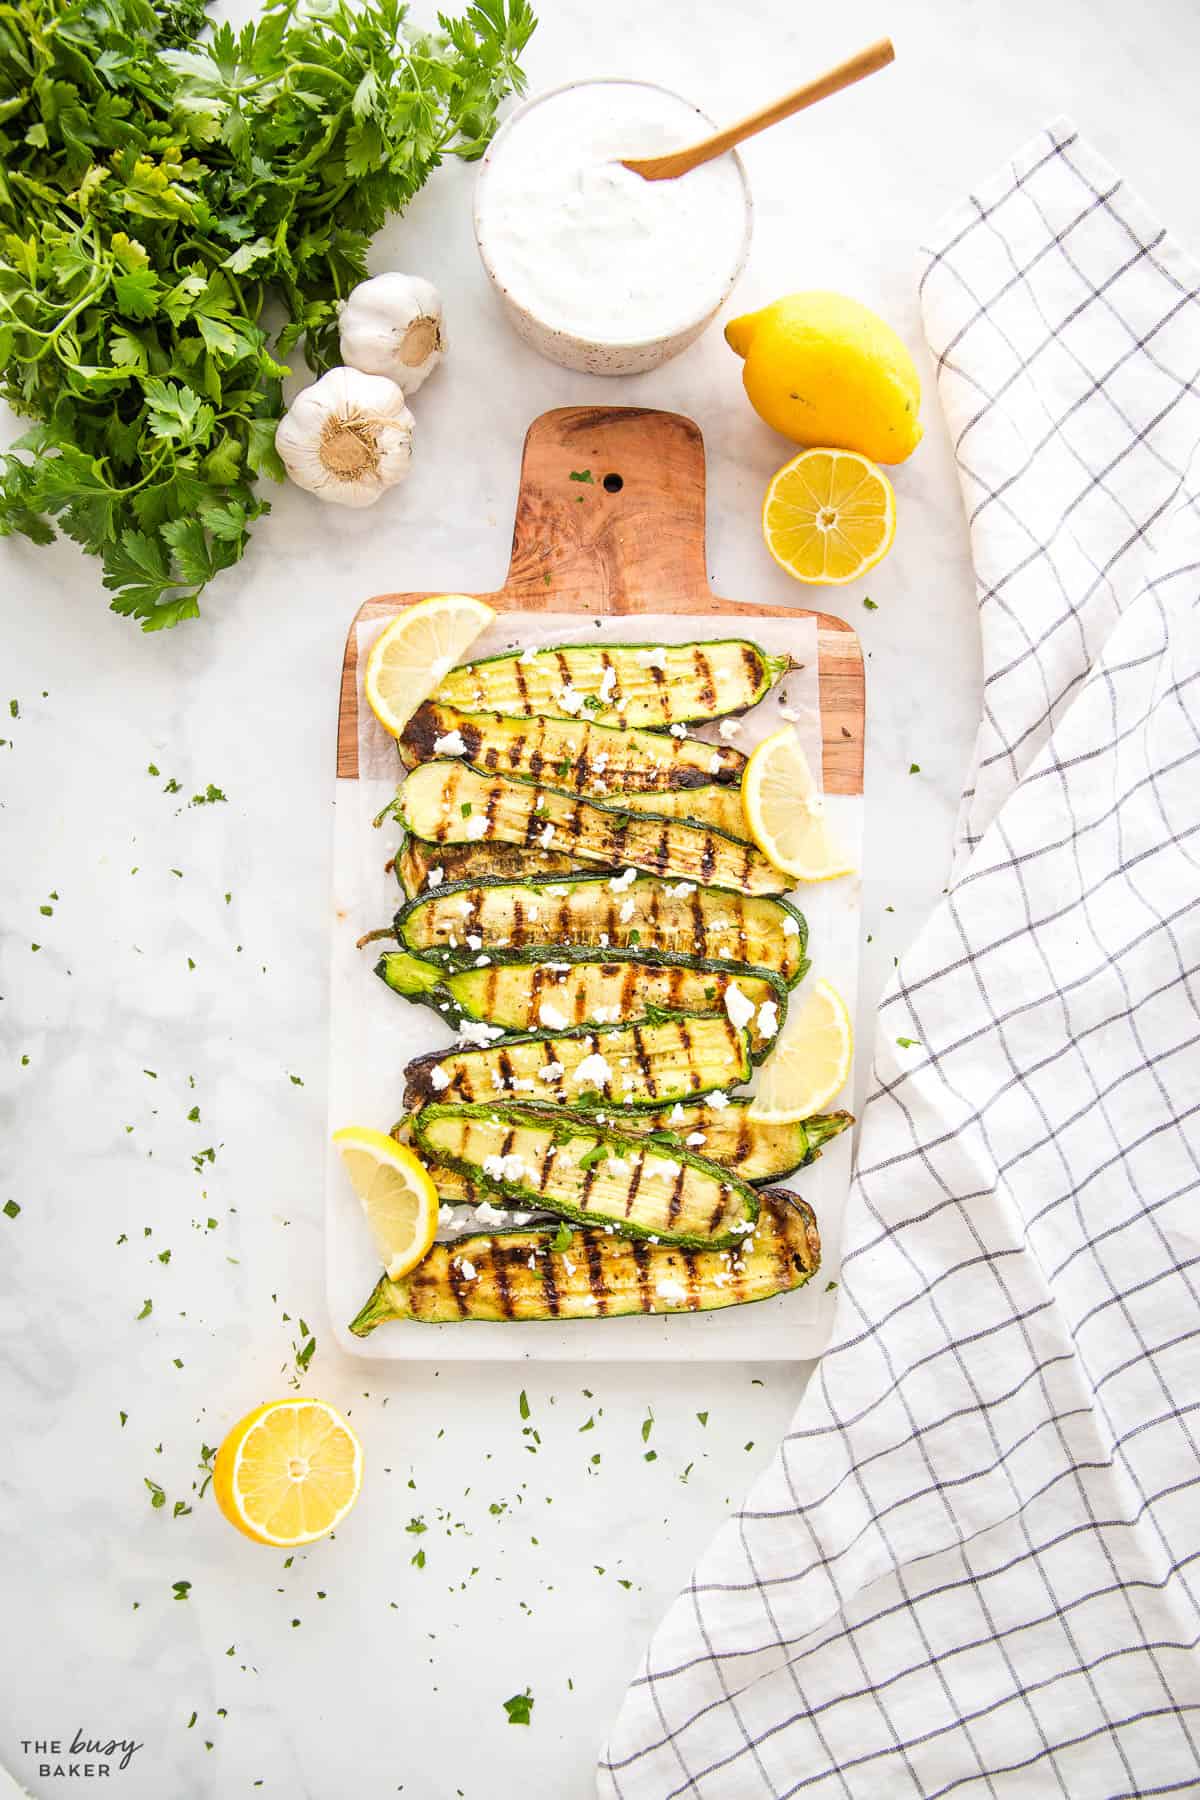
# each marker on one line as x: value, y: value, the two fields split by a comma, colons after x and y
x: 598, y: 268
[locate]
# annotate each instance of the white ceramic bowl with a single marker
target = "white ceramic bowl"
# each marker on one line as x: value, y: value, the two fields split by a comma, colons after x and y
x: 603, y: 356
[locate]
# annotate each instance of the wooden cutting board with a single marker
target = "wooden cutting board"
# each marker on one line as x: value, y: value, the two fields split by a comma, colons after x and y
x: 629, y: 541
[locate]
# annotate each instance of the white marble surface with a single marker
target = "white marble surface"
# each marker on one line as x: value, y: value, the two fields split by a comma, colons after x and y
x: 393, y: 1681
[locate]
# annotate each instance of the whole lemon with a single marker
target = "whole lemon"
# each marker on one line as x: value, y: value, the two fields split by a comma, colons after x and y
x: 823, y: 369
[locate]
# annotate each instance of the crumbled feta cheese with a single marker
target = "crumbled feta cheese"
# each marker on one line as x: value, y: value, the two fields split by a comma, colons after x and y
x: 729, y: 728
x: 791, y: 926
x: 551, y: 1072
x: 667, y: 1289
x: 434, y: 877
x: 483, y: 962
x: 476, y: 827
x: 682, y: 890
x: 604, y: 940
x: 569, y: 699
x: 568, y: 1265
x: 439, y: 1081
x: 605, y: 1015
x: 546, y: 834
x: 453, y: 744
x: 551, y: 1018
x: 503, y: 1168
x: 478, y: 1032
x: 653, y: 659
x: 714, y: 763
x: 667, y: 1169
x: 468, y: 1268
x: 593, y: 1071
x: 474, y: 941
x: 627, y: 911
x: 788, y: 712
x: 695, y: 1139
x: 487, y: 1214
x: 557, y: 889
x: 528, y: 654
x: 680, y: 731
x: 768, y: 1018
x: 738, y: 1008
x: 676, y: 1115
x: 520, y: 1085
x: 620, y: 882
x: 600, y: 763
x: 447, y: 1216
x: 616, y: 1165
x: 718, y: 1101
x: 608, y: 682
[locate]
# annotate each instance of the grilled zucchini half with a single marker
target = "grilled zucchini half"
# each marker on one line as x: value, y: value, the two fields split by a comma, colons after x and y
x: 673, y: 1058
x: 617, y: 684
x: 589, y: 1173
x: 748, y: 1148
x: 517, y: 1275
x: 554, y: 996
x: 448, y: 863
x: 572, y: 753
x: 751, y: 1148
x: 646, y: 919
x: 447, y: 802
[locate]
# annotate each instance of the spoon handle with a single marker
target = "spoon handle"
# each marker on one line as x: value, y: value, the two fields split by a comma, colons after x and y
x: 843, y: 75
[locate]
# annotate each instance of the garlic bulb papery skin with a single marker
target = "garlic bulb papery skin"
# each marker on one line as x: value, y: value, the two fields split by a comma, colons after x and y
x: 392, y: 325
x: 347, y: 438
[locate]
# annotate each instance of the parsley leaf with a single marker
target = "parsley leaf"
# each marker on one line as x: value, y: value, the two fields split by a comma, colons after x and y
x: 519, y: 1708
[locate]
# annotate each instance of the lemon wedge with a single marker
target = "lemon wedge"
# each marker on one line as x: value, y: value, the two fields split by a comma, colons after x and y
x: 810, y: 1062
x: 288, y: 1472
x: 398, y: 1197
x: 829, y: 516
x: 417, y: 651
x: 785, y: 811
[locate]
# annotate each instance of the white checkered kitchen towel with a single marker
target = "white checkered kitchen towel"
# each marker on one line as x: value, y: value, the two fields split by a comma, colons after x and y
x: 974, y: 1565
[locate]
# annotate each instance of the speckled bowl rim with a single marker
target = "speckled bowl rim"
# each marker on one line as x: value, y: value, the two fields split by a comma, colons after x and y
x: 697, y: 320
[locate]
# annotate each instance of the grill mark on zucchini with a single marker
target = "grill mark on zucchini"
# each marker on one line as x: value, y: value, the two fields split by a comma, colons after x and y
x: 704, y: 675
x: 676, y: 1199
x: 522, y: 688
x: 455, y: 1277
x: 502, y: 1284
x: 595, y: 1270
x: 635, y: 1182
x: 641, y: 1257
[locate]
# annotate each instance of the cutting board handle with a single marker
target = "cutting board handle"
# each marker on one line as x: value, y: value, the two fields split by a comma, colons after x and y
x: 610, y: 513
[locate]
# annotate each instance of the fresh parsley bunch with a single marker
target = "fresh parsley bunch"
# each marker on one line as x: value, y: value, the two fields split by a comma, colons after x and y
x: 157, y: 190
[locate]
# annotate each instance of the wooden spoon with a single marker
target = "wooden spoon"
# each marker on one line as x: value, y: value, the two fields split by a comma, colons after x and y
x: 845, y: 74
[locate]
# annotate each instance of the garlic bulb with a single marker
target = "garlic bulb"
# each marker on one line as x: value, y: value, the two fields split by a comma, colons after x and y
x: 347, y: 438
x: 392, y: 325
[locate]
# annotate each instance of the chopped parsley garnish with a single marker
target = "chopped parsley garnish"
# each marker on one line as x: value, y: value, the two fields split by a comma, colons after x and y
x: 521, y: 1705
x: 909, y: 1043
x: 582, y: 475
x: 11, y: 1209
x: 870, y: 605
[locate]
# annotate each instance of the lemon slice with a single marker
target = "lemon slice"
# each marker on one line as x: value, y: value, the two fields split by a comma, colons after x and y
x: 829, y: 516
x: 416, y: 651
x: 785, y: 812
x: 288, y: 1472
x: 810, y: 1062
x: 398, y: 1197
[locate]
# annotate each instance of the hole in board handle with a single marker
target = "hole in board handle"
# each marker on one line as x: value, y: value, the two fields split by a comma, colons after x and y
x: 613, y: 484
